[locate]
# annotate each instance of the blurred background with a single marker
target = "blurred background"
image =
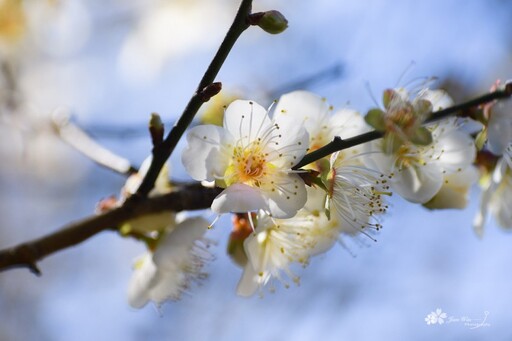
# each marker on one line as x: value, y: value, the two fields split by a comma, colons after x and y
x: 112, y: 63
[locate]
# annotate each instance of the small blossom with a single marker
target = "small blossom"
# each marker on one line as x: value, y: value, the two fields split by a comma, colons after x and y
x: 356, y: 195
x: 418, y: 172
x: 277, y: 244
x: 176, y: 263
x: 496, y: 198
x: 252, y: 157
x: 319, y: 119
x: 403, y: 117
x: 499, y: 124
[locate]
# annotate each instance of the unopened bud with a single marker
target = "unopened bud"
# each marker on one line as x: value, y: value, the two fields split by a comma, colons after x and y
x: 272, y: 22
x: 156, y: 129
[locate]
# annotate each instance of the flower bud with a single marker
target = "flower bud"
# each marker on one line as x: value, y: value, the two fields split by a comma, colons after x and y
x: 272, y: 22
x: 156, y: 129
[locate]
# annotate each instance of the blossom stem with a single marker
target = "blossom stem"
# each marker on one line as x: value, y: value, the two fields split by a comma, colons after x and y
x: 205, y: 90
x: 338, y: 144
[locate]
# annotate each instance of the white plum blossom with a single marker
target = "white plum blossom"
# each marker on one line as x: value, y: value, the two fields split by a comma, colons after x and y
x: 252, y: 157
x: 418, y: 172
x: 499, y: 123
x: 277, y: 245
x: 496, y: 198
x: 319, y: 119
x: 403, y: 116
x: 176, y: 263
x: 499, y: 127
x: 455, y: 190
x: 272, y: 248
x: 356, y: 195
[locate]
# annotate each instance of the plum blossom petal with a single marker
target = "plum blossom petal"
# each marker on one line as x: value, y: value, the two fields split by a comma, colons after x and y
x: 210, y: 143
x: 288, y: 197
x: 496, y: 198
x: 438, y: 98
x: 175, y: 264
x: 499, y: 133
x: 246, y: 120
x: 316, y: 114
x: 418, y: 183
x: 239, y: 198
x: 271, y: 250
x: 302, y: 107
x: 454, y: 191
x: 457, y: 149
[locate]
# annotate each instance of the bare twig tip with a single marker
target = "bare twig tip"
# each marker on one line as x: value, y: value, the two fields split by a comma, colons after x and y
x: 34, y: 269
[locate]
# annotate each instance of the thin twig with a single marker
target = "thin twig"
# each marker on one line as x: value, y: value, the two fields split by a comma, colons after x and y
x: 338, y: 143
x: 81, y: 141
x: 27, y: 254
x: 205, y: 90
x: 187, y: 197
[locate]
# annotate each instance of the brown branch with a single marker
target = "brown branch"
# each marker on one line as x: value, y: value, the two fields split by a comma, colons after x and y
x: 186, y: 197
x: 191, y: 197
x: 339, y: 144
x: 205, y: 90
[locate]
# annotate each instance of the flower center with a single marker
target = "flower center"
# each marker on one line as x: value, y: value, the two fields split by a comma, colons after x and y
x: 248, y: 165
x: 403, y: 118
x: 407, y: 156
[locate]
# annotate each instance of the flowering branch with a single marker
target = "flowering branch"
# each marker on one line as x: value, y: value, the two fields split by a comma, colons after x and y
x: 190, y: 197
x: 186, y: 197
x: 339, y: 144
x: 205, y: 90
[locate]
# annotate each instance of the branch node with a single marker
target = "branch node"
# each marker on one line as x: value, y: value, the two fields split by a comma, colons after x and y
x: 254, y: 18
x: 209, y: 91
x: 34, y: 269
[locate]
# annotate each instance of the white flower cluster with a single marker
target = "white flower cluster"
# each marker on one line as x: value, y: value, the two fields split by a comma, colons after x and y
x: 253, y: 157
x: 284, y: 214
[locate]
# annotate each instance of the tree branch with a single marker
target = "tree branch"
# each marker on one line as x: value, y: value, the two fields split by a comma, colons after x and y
x: 205, y: 90
x: 339, y: 144
x: 190, y: 197
x: 186, y: 197
x: 77, y: 138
